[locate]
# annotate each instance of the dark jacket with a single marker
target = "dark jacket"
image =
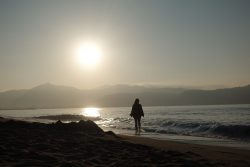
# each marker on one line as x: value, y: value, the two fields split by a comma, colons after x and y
x: 137, y: 111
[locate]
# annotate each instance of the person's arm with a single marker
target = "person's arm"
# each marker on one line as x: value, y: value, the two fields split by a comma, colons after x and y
x: 132, y: 111
x: 142, y: 113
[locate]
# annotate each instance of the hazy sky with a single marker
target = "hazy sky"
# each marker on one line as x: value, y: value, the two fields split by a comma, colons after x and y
x: 161, y: 42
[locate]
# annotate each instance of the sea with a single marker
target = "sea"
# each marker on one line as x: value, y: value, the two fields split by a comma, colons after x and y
x: 217, y: 125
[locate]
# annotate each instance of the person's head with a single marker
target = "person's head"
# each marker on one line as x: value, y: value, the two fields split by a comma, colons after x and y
x: 136, y: 101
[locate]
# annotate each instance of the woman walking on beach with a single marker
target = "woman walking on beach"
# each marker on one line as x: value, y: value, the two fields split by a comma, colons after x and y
x: 137, y: 113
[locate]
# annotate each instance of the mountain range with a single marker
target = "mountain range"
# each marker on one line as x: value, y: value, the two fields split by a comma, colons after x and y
x: 55, y: 96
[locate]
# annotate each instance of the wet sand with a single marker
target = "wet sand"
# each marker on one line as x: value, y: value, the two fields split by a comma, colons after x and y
x: 224, y: 156
x: 85, y: 144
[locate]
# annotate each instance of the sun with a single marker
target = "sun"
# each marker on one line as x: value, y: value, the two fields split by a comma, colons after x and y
x: 89, y: 54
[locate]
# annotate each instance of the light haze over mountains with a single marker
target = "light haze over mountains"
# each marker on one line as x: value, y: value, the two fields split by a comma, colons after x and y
x: 55, y: 96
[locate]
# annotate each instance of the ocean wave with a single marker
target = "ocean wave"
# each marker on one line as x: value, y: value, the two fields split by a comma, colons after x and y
x: 235, y: 131
x: 226, y: 131
x: 191, y: 126
x: 206, y: 129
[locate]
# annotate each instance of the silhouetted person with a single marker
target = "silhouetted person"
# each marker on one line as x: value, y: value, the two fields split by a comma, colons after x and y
x: 137, y: 113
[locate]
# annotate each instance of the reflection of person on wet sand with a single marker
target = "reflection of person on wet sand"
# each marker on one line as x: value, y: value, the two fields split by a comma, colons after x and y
x: 137, y: 113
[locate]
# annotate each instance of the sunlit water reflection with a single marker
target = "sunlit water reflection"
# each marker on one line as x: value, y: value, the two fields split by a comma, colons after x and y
x: 91, y: 112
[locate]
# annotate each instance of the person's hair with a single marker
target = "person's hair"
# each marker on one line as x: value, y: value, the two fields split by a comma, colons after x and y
x: 136, y: 101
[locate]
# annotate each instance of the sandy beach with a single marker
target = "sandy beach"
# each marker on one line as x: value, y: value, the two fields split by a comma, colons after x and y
x: 85, y: 144
x: 224, y: 156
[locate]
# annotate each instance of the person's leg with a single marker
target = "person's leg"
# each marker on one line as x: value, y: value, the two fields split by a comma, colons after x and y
x: 139, y: 123
x: 136, y: 122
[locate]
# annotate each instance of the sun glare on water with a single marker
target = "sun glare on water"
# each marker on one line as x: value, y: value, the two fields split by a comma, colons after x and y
x: 91, y: 112
x: 89, y: 55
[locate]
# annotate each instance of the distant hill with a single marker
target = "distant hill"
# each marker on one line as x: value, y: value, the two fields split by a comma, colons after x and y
x: 54, y: 96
